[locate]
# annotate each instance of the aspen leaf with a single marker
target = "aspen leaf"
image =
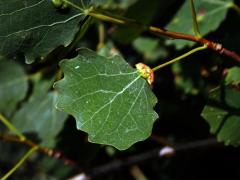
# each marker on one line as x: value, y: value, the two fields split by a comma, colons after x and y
x: 108, y: 99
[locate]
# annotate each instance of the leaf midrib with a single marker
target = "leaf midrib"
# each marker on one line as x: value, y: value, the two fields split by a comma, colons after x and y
x: 105, y: 105
x: 42, y: 26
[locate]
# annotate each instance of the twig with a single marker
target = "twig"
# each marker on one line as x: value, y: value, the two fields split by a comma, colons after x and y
x: 194, y: 19
x: 117, y: 165
x: 22, y: 160
x: 20, y: 138
x: 162, y: 32
x: 98, y: 14
x: 6, y: 122
x: 210, y: 44
x: 101, y: 34
x: 179, y: 57
x: 52, y: 153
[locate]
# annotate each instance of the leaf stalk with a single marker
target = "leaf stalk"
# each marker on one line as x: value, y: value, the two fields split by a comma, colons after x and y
x: 7, y: 123
x: 180, y: 57
x: 194, y: 19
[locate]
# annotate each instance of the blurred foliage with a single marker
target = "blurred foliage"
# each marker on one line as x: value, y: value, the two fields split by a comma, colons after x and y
x: 13, y: 86
x: 222, y: 114
x: 209, y: 16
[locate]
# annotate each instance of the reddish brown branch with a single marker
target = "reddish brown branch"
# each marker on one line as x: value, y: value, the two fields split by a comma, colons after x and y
x: 210, y: 44
x: 158, y: 31
x: 230, y: 54
x: 52, y: 153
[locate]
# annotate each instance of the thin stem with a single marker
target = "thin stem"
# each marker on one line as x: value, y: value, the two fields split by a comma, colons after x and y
x: 22, y: 160
x: 235, y: 7
x: 158, y: 31
x: 7, y: 123
x: 83, y: 5
x: 180, y: 57
x: 73, y: 5
x: 194, y: 18
x: 50, y: 152
x: 108, y: 18
x: 101, y: 34
x: 162, y: 32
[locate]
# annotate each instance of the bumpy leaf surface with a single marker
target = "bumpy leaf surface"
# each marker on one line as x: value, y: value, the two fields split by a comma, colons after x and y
x: 210, y: 13
x: 13, y: 85
x: 35, y: 27
x: 108, y: 99
x: 223, y: 114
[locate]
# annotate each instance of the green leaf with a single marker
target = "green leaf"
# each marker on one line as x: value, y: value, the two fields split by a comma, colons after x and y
x: 233, y: 75
x: 39, y: 114
x: 144, y: 44
x: 35, y: 27
x: 13, y: 85
x: 40, y: 86
x: 187, y: 77
x: 109, y: 49
x: 223, y: 114
x: 150, y: 48
x: 108, y: 99
x: 210, y: 13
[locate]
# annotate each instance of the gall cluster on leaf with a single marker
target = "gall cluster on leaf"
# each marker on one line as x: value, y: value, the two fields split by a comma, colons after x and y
x: 146, y: 72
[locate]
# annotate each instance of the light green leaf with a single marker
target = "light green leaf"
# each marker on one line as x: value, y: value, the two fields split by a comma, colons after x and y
x: 35, y: 27
x: 108, y: 50
x: 40, y: 86
x: 187, y: 77
x: 144, y: 44
x: 223, y: 114
x: 13, y: 85
x: 233, y: 75
x: 150, y: 48
x: 108, y: 99
x: 39, y: 114
x: 210, y: 13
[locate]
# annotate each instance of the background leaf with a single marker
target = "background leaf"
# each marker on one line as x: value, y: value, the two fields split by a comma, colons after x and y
x: 108, y: 50
x: 222, y: 112
x: 210, y: 13
x: 149, y: 48
x: 128, y: 34
x: 233, y: 75
x: 35, y: 27
x: 108, y: 99
x: 13, y: 85
x: 39, y: 114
